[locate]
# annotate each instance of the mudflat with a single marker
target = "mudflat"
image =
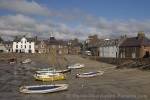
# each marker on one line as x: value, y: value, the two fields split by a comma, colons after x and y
x: 114, y: 84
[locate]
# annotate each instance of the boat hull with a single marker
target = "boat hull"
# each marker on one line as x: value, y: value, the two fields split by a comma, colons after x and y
x: 53, y: 71
x: 49, y: 77
x: 26, y: 61
x: 76, y: 66
x: 90, y: 74
x: 44, y: 88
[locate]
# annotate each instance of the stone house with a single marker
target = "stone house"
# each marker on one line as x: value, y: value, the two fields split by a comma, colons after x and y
x: 2, y: 46
x: 9, y: 46
x: 57, y: 46
x: 92, y: 44
x: 74, y: 47
x: 135, y: 47
x: 41, y: 46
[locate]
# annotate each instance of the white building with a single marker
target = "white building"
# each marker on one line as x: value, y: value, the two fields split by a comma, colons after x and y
x: 24, y: 45
x: 109, y: 49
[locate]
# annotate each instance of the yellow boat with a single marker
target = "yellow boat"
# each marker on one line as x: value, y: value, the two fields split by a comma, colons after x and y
x: 49, y: 76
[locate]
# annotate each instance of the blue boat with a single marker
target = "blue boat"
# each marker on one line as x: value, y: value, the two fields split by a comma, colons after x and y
x: 43, y: 88
x: 89, y: 74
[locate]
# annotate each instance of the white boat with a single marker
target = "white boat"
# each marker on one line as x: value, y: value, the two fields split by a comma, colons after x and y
x: 89, y: 74
x: 50, y: 70
x: 43, y: 88
x: 45, y: 70
x: 26, y: 61
x: 76, y: 66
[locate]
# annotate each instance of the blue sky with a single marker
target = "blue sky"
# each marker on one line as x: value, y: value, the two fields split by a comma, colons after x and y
x: 74, y: 18
x: 111, y: 9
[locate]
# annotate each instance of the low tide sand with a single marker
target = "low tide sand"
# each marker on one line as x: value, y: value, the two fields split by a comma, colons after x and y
x: 114, y: 84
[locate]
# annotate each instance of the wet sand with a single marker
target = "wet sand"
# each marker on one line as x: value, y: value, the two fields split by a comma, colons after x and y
x: 114, y: 84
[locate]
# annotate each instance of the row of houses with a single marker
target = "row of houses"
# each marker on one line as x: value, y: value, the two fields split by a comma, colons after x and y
x: 22, y: 44
x: 124, y: 47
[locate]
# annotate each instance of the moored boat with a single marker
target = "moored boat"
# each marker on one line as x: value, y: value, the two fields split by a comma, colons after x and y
x: 26, y: 61
x: 50, y: 70
x: 12, y: 61
x: 76, y: 66
x: 49, y: 76
x: 43, y: 88
x: 89, y: 74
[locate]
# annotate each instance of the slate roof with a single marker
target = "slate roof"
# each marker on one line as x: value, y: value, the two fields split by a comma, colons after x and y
x: 135, y: 42
x: 18, y: 39
x: 7, y: 42
x: 112, y: 42
x: 53, y: 41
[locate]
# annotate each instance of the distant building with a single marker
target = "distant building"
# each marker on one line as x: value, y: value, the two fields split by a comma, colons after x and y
x: 56, y: 46
x: 74, y: 47
x: 92, y: 39
x: 109, y: 48
x: 24, y: 45
x: 9, y: 46
x: 92, y: 44
x: 2, y: 46
x: 135, y: 47
x: 41, y: 46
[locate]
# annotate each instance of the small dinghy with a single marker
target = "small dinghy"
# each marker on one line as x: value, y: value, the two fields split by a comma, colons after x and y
x: 50, y: 70
x: 63, y: 71
x: 76, y: 66
x: 89, y: 74
x: 12, y: 61
x: 26, y: 61
x: 49, y: 76
x: 44, y: 88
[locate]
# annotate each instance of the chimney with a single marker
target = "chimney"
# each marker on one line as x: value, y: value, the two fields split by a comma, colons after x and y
x: 140, y: 35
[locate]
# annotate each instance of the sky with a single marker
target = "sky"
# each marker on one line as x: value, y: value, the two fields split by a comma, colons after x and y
x: 68, y: 19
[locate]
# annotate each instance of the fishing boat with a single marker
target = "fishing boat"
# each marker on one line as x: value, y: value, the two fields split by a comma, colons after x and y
x: 49, y: 76
x: 43, y: 88
x: 45, y: 70
x: 89, y: 74
x: 12, y: 60
x: 76, y: 66
x: 50, y: 70
x: 26, y: 61
x: 63, y: 71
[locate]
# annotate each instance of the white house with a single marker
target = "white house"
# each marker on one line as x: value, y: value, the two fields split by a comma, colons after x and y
x: 24, y: 45
x: 109, y: 49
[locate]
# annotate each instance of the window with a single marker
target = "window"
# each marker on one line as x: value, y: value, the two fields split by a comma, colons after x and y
x: 29, y: 46
x: 42, y: 46
x: 21, y: 46
x: 24, y: 46
x: 16, y: 46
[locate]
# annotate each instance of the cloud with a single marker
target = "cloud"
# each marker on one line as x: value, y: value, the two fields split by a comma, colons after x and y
x: 24, y: 7
x: 19, y: 24
x: 12, y: 25
x: 105, y: 27
x: 32, y: 7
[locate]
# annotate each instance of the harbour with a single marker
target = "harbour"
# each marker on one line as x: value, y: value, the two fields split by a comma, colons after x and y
x: 125, y: 84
